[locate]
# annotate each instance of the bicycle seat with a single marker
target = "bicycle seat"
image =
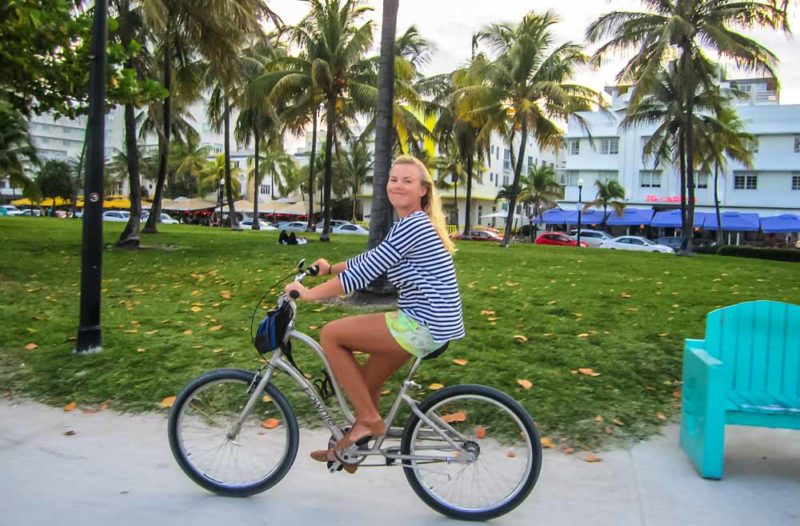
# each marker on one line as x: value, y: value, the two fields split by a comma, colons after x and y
x: 437, y: 352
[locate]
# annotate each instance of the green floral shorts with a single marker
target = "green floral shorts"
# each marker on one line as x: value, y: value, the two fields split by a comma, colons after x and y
x: 410, y: 334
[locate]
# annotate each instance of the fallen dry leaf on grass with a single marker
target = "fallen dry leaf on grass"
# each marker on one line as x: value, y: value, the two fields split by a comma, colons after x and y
x: 386, y: 392
x: 196, y: 309
x: 226, y: 294
x: 480, y: 432
x: 266, y: 399
x: 587, y: 371
x: 460, y: 361
x: 617, y: 422
x: 435, y: 387
x: 583, y: 335
x: 455, y: 417
x: 487, y: 313
x: 625, y: 295
x: 591, y: 457
x: 31, y: 346
x: 270, y: 423
x: 547, y: 443
x: 167, y: 402
x: 519, y: 338
x: 599, y: 418
x: 526, y: 384
x: 70, y: 407
x: 661, y: 416
x: 187, y: 331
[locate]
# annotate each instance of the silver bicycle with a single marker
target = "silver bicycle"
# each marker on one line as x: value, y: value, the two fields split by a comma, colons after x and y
x: 470, y: 452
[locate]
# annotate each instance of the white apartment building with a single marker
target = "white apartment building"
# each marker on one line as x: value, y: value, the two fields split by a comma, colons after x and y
x: 770, y: 188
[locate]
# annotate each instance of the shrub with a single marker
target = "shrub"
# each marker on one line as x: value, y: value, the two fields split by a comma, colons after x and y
x: 778, y: 254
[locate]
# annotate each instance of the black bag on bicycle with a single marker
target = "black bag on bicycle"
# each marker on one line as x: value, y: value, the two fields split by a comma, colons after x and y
x: 272, y: 329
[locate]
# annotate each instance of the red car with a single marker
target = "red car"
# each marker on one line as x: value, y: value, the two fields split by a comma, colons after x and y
x: 478, y: 235
x: 557, y: 238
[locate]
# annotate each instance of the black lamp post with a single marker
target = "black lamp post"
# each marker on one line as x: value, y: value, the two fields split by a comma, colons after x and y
x: 89, y: 332
x: 580, y: 210
x: 220, y: 193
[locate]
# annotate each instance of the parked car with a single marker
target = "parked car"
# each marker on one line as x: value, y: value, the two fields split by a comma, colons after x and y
x: 477, y: 235
x: 558, y: 239
x: 166, y: 219
x: 11, y: 210
x: 673, y: 242
x: 351, y: 229
x: 116, y: 216
x: 31, y: 212
x: 293, y: 226
x: 248, y: 223
x: 641, y: 244
x: 593, y: 238
x: 334, y: 223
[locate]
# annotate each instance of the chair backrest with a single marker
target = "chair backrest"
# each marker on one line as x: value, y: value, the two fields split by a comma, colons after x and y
x: 760, y: 340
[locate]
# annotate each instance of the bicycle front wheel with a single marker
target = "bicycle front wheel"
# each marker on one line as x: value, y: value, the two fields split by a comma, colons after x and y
x: 483, y: 425
x: 222, y: 456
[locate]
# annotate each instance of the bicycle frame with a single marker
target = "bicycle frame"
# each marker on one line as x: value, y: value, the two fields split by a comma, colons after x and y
x: 439, y: 427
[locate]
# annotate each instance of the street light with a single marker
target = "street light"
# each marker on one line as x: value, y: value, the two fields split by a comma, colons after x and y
x: 580, y: 210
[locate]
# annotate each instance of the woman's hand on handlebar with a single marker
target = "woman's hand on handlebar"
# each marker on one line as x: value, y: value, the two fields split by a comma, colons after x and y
x: 323, y: 265
x: 304, y: 293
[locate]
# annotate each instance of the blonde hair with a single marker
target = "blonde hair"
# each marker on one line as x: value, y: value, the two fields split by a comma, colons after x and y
x: 431, y: 204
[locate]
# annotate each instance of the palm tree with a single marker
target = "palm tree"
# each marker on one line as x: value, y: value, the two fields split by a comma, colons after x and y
x: 451, y: 172
x: 275, y: 162
x: 524, y: 89
x: 688, y: 29
x: 355, y: 166
x: 189, y: 159
x: 208, y: 179
x: 721, y: 137
x: 609, y: 193
x: 16, y: 147
x: 540, y: 189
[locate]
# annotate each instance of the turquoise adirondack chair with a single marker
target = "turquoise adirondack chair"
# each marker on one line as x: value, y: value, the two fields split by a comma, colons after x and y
x: 746, y: 372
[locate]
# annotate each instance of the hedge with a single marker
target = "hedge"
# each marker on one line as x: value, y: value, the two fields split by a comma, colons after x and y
x: 778, y: 254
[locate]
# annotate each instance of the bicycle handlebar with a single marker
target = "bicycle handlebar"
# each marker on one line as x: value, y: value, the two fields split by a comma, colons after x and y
x: 313, y: 270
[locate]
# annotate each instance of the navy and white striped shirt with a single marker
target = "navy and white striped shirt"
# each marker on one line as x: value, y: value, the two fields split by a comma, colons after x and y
x: 416, y: 262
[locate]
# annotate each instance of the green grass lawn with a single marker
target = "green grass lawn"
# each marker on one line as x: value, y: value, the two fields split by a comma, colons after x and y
x: 182, y: 306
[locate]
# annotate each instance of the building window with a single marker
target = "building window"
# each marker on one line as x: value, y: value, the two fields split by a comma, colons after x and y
x: 530, y: 161
x: 264, y: 189
x: 574, y: 147
x: 797, y: 144
x: 796, y: 182
x: 745, y: 182
x: 608, y: 175
x: 569, y: 178
x: 702, y: 181
x: 650, y: 178
x: 505, y: 180
x: 506, y: 159
x: 493, y: 149
x: 497, y: 154
x: 480, y: 213
x: 609, y: 146
x: 3, y: 184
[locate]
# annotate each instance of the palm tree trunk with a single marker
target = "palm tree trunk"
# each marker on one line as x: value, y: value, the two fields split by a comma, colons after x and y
x: 467, y: 219
x: 232, y: 221
x: 326, y: 198
x: 682, y: 160
x: 381, y: 214
x: 515, y: 186
x: 716, y: 205
x: 688, y: 242
x: 312, y: 163
x: 163, y: 146
x: 534, y: 225
x: 130, y: 236
x: 257, y: 180
x: 455, y: 198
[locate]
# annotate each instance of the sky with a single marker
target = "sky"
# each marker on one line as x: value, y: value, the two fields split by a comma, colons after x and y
x: 450, y: 24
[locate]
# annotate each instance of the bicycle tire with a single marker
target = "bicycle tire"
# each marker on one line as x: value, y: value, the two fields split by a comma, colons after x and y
x: 237, y: 379
x: 527, y: 431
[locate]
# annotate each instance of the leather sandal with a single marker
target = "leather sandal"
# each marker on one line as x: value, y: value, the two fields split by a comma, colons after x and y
x: 328, y: 455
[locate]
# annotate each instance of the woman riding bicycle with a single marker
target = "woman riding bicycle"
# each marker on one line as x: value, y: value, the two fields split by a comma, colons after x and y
x: 417, y: 258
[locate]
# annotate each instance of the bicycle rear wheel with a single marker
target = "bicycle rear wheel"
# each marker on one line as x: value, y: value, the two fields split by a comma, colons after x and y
x: 499, y: 434
x: 226, y: 461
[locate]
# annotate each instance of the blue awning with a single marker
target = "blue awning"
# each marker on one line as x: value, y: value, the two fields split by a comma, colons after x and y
x: 557, y: 216
x: 734, y: 222
x: 672, y: 219
x: 631, y: 217
x: 784, y: 223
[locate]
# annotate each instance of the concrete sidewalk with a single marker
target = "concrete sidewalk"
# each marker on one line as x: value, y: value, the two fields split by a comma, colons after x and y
x: 118, y: 470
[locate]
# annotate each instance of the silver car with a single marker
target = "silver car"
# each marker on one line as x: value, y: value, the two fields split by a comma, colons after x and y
x: 593, y: 238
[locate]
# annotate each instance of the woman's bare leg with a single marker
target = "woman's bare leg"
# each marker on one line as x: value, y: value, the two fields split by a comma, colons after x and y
x: 367, y: 334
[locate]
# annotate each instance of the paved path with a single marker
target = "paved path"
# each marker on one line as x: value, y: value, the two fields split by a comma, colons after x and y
x: 117, y: 470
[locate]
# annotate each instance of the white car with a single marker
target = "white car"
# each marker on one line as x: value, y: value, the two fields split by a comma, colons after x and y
x: 593, y: 238
x: 166, y: 219
x: 12, y: 210
x: 31, y: 212
x: 357, y: 230
x: 248, y: 223
x: 641, y: 244
x: 293, y: 226
x: 116, y: 216
x: 334, y: 224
